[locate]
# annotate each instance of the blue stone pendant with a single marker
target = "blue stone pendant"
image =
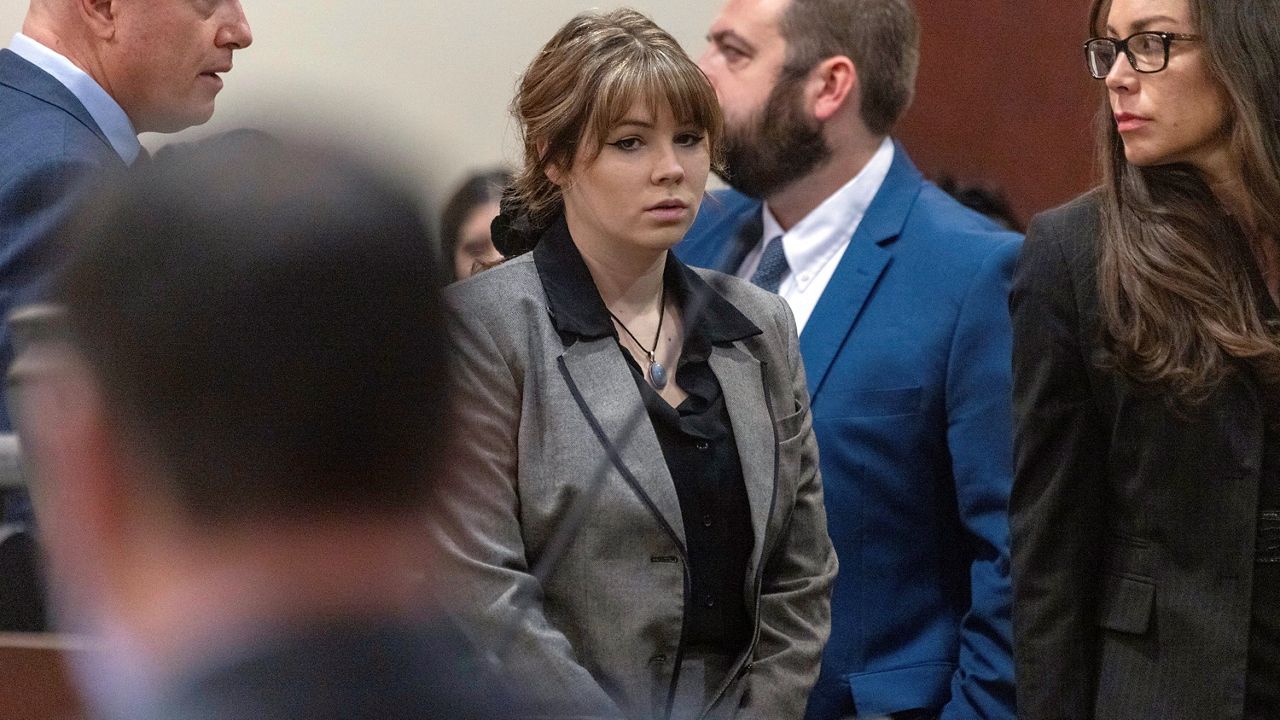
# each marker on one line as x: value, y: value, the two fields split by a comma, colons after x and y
x: 657, y: 374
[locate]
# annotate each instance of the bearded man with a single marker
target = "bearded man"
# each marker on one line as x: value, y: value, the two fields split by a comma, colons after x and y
x: 900, y: 296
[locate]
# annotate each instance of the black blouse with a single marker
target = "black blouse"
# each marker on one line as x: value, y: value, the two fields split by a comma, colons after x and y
x: 696, y: 437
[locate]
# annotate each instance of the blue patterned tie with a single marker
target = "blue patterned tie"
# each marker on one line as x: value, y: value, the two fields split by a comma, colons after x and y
x: 773, y: 265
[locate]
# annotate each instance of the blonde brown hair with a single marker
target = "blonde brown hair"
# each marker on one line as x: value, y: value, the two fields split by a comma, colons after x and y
x: 582, y: 83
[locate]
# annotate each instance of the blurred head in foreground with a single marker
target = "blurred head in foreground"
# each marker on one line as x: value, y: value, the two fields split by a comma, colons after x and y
x: 235, y: 414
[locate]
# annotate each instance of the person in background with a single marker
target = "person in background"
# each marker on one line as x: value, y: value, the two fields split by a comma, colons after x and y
x: 465, y: 239
x: 900, y: 296
x: 1146, y: 499
x: 989, y: 201
x: 233, y: 411
x: 634, y: 511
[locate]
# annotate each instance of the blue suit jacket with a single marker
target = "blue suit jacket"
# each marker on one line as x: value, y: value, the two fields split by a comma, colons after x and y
x: 49, y: 145
x: 908, y: 361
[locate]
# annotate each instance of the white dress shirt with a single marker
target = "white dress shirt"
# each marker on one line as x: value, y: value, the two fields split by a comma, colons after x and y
x: 815, y: 245
x: 104, y: 110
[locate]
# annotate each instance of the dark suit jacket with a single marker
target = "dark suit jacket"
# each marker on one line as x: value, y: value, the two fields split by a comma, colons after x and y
x: 1133, y: 527
x: 49, y: 145
x: 542, y: 422
x: 907, y: 358
x: 339, y: 670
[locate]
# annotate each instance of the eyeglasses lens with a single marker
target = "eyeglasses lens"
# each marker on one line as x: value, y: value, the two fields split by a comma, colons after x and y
x: 1148, y: 51
x: 1101, y: 54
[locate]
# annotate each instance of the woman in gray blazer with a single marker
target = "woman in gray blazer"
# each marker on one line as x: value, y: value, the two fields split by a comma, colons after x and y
x: 597, y: 373
x: 1146, y: 364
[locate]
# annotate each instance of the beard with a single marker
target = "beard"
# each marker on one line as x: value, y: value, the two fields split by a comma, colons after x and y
x: 777, y: 146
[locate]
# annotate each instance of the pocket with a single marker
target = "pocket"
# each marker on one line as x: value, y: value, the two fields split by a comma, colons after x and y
x: 1126, y: 604
x: 870, y: 402
x: 789, y: 427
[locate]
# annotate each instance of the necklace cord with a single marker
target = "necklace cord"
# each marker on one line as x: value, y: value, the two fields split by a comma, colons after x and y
x: 662, y: 310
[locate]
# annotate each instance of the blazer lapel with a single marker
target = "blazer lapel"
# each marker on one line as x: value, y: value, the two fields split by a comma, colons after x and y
x: 741, y: 379
x: 606, y: 394
x: 23, y: 76
x: 855, y: 277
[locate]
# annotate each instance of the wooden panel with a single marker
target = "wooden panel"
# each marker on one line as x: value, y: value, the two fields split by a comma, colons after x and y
x: 35, y: 683
x: 1003, y: 98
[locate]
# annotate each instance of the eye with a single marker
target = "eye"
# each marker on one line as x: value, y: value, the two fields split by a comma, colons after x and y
x: 627, y: 143
x: 732, y: 54
x: 690, y: 139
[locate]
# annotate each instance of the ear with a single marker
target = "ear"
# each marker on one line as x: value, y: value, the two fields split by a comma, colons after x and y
x: 836, y: 80
x: 553, y: 171
x: 554, y: 174
x: 99, y: 16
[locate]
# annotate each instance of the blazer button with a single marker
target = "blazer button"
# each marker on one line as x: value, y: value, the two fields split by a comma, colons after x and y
x: 702, y: 445
x: 659, y: 658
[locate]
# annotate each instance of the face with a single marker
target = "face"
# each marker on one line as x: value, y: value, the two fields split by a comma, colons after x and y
x: 166, y: 58
x: 1178, y: 115
x: 771, y: 138
x: 642, y: 191
x: 474, y: 246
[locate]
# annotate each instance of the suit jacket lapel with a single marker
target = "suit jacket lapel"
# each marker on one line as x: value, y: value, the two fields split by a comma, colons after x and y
x: 606, y: 394
x: 27, y: 78
x: 855, y: 277
x: 741, y: 379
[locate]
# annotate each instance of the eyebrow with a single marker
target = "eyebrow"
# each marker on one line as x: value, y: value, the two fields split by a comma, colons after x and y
x: 722, y: 35
x: 1145, y: 23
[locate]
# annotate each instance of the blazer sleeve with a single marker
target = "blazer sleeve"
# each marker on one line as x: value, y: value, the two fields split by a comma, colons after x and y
x: 479, y: 541
x: 795, y: 595
x: 979, y: 429
x: 1057, y: 503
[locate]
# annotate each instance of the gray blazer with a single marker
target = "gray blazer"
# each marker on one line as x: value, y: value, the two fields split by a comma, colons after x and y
x: 536, y: 421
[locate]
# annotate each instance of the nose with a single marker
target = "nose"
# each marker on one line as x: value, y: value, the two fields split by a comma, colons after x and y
x: 235, y: 33
x: 1121, y: 78
x: 667, y: 168
x: 705, y: 63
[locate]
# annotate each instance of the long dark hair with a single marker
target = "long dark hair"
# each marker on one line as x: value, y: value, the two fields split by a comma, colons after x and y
x: 1178, y: 306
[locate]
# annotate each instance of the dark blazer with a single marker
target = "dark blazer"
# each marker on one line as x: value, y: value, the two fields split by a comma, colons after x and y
x: 341, y: 670
x: 907, y: 358
x: 1133, y: 526
x: 539, y: 419
x: 49, y: 146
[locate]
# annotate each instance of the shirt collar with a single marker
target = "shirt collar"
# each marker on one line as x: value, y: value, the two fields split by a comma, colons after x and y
x: 578, y: 311
x: 813, y: 241
x: 104, y: 110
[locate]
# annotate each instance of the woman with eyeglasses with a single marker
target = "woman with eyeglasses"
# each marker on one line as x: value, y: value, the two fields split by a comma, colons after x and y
x: 1146, y: 501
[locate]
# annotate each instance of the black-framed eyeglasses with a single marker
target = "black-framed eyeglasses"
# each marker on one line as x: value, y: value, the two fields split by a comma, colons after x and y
x: 1148, y: 52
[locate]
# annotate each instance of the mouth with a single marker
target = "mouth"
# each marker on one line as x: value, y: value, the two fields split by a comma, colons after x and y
x: 1128, y: 122
x: 671, y: 204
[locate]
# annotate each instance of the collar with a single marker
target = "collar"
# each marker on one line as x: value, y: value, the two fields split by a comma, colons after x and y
x: 104, y: 110
x: 816, y: 239
x: 577, y: 310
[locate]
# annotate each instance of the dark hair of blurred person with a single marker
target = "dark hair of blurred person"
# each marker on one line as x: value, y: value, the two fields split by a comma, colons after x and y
x: 987, y: 200
x: 234, y: 428
x: 465, y: 240
x: 1146, y: 504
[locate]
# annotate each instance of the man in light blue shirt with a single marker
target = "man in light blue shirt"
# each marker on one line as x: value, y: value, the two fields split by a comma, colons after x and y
x: 77, y: 85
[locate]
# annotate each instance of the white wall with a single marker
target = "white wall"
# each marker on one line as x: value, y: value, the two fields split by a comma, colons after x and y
x: 426, y: 82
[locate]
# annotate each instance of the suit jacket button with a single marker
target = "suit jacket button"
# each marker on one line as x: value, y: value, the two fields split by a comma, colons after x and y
x: 659, y: 658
